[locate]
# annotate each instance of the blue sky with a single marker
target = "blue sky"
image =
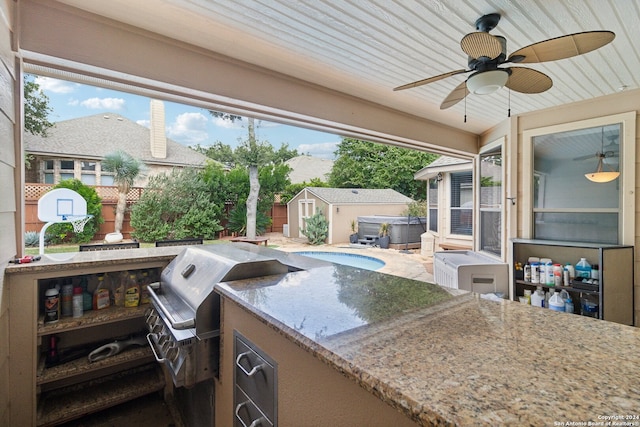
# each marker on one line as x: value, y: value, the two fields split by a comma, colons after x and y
x: 185, y: 124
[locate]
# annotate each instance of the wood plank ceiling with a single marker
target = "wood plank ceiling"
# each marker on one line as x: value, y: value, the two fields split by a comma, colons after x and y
x: 368, y: 47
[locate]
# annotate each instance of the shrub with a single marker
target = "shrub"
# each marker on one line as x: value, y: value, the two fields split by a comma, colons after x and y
x: 238, y: 220
x: 176, y: 206
x: 317, y: 228
x: 63, y: 232
x: 31, y: 238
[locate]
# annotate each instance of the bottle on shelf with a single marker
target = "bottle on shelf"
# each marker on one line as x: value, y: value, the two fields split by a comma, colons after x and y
x: 87, y: 298
x: 572, y: 271
x: 66, y: 299
x: 132, y: 291
x: 556, y: 303
x: 557, y: 274
x: 527, y: 272
x: 78, y: 302
x: 143, y: 282
x: 589, y: 306
x: 595, y: 272
x: 568, y: 305
x: 52, y: 305
x: 535, y: 272
x: 537, y: 297
x: 101, y: 297
x: 527, y: 294
x: 583, y: 269
x: 117, y: 289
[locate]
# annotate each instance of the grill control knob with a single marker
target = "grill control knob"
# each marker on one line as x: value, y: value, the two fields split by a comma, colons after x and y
x: 162, y: 340
x: 157, y: 328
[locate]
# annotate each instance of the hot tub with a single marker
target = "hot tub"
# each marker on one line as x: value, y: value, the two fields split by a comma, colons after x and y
x: 402, y: 229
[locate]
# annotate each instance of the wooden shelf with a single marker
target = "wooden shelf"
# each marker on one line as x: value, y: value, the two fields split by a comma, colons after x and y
x: 91, y: 318
x: 558, y: 288
x: 66, y: 404
x: 82, y: 368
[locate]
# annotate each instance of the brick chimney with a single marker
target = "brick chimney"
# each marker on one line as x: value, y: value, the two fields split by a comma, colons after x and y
x: 158, y: 137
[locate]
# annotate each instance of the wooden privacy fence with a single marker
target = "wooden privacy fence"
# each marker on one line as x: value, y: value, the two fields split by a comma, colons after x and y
x: 109, y: 196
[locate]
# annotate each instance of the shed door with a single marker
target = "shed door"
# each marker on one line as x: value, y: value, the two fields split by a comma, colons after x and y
x: 306, y: 209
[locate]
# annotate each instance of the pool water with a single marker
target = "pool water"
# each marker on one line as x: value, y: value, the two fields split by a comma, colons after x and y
x: 353, y: 260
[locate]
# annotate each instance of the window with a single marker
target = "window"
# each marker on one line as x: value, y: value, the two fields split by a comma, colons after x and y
x: 432, y: 198
x: 88, y: 175
x: 491, y: 202
x: 67, y: 169
x: 461, y: 203
x: 567, y: 206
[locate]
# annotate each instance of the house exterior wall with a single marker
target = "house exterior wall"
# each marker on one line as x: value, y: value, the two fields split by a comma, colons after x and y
x: 10, y: 192
x: 518, y: 224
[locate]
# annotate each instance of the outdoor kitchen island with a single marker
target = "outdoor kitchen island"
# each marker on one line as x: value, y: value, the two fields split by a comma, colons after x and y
x: 343, y: 341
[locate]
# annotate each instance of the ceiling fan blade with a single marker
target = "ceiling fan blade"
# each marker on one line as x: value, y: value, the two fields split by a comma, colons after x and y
x: 562, y: 47
x: 455, y: 96
x: 480, y: 44
x: 585, y: 157
x: 430, y: 79
x: 528, y: 80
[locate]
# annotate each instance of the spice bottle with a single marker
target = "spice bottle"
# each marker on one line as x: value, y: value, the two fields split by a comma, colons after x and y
x: 101, y: 294
x: 66, y: 300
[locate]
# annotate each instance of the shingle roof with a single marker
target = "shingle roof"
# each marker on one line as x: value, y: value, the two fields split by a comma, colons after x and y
x: 305, y: 168
x: 93, y: 137
x: 359, y: 195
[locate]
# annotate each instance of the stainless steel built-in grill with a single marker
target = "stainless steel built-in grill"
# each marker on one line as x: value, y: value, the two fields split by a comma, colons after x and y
x: 184, y: 324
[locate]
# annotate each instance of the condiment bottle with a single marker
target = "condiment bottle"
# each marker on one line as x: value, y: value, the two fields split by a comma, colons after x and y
x: 132, y: 291
x: 101, y: 294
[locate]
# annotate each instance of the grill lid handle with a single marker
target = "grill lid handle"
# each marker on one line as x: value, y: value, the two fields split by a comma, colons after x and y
x: 175, y: 324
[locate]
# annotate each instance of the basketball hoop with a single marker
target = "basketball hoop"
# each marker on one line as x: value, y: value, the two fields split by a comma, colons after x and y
x: 77, y: 221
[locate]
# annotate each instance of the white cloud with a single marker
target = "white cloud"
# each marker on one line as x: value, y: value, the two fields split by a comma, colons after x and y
x: 73, y: 102
x: 145, y: 123
x: 49, y: 84
x: 228, y: 124
x: 112, y: 104
x: 189, y: 128
x: 323, y: 150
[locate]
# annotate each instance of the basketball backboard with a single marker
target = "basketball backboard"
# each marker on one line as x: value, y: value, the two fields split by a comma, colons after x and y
x: 61, y: 205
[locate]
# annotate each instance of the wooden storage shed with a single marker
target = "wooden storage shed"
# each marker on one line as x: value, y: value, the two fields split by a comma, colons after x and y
x: 341, y: 206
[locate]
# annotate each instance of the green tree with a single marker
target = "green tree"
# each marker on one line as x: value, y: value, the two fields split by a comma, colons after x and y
x: 36, y: 108
x: 218, y: 151
x: 177, y: 205
x: 125, y: 169
x: 363, y: 164
x: 291, y: 190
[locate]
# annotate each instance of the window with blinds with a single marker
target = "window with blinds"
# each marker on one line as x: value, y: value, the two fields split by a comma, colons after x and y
x: 432, y: 204
x: 491, y: 202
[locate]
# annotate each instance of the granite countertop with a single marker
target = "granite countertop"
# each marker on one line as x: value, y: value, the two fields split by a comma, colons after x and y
x: 459, y: 360
x: 70, y: 260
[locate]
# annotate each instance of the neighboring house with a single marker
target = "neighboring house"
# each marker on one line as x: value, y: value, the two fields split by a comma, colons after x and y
x: 450, y: 204
x: 74, y: 149
x: 341, y: 206
x: 306, y: 168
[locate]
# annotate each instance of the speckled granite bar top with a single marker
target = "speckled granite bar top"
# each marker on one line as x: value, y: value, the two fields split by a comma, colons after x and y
x: 70, y: 260
x: 445, y: 360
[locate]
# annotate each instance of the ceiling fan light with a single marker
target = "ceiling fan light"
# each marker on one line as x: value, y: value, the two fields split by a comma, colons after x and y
x: 601, y: 177
x: 487, y: 82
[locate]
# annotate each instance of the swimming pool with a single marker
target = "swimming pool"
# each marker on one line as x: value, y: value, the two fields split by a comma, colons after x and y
x: 353, y: 260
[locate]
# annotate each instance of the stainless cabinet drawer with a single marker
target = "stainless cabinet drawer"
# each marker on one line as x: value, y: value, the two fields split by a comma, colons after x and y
x: 247, y: 414
x: 256, y: 374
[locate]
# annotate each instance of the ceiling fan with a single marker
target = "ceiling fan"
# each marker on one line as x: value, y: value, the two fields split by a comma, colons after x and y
x: 487, y: 52
x: 609, y: 151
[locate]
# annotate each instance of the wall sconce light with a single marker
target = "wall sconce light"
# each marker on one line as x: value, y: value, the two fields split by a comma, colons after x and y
x: 338, y: 209
x: 439, y: 177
